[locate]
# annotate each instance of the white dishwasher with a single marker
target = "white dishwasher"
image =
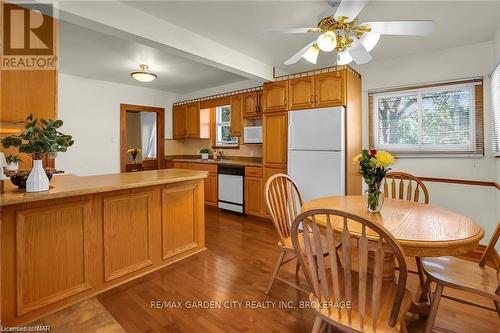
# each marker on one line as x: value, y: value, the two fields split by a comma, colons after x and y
x: 231, y: 183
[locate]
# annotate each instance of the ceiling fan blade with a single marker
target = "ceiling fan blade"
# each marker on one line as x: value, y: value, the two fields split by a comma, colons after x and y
x: 297, y: 56
x: 330, y: 11
x: 359, y: 53
x: 289, y: 31
x: 351, y: 8
x: 369, y: 40
x: 409, y: 28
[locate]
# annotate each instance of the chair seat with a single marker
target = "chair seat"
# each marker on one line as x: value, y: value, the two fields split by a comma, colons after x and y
x: 464, y: 275
x: 388, y: 295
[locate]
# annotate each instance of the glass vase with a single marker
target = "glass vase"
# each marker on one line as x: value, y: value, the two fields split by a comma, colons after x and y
x: 374, y: 198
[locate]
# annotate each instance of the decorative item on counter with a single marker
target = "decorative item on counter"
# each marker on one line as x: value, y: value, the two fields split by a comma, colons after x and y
x: 13, y: 162
x: 39, y: 141
x: 204, y: 153
x: 3, y: 177
x: 373, y: 166
x: 134, y: 152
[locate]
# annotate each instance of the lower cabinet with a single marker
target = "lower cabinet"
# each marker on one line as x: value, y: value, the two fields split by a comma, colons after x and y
x: 179, y: 228
x: 253, y: 196
x: 211, y: 189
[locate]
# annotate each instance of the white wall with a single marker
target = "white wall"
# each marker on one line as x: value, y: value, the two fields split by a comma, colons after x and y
x: 463, y: 62
x: 90, y: 110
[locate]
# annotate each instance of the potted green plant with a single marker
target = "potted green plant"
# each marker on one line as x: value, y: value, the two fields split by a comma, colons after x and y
x: 13, y: 162
x: 204, y: 153
x: 373, y: 166
x: 40, y: 139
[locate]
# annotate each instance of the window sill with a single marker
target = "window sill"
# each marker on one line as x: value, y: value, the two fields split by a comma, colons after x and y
x: 226, y: 147
x: 436, y: 155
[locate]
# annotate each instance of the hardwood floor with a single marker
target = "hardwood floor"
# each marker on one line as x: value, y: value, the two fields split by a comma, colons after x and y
x: 236, y: 266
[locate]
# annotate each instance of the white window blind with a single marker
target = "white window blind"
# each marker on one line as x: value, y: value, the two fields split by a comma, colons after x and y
x: 495, y: 95
x: 435, y: 118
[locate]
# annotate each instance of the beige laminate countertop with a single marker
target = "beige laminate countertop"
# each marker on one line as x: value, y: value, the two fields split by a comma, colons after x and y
x: 212, y: 161
x: 62, y: 186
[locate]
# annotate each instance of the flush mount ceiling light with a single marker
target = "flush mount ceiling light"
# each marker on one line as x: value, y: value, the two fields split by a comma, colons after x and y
x: 144, y: 75
x: 340, y: 32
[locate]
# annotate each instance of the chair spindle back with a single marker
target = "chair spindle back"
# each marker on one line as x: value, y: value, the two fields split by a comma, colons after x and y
x: 339, y: 286
x: 284, y: 202
x: 404, y: 186
x: 490, y: 252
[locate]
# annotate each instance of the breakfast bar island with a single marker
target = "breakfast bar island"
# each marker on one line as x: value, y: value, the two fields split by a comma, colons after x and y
x: 89, y: 234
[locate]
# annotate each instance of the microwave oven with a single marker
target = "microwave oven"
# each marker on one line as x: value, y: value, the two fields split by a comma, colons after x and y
x: 252, y: 134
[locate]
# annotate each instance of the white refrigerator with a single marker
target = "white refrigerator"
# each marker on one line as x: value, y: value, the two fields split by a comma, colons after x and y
x: 316, y: 151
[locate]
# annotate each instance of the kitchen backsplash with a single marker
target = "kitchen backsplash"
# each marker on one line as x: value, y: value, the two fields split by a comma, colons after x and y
x: 193, y: 146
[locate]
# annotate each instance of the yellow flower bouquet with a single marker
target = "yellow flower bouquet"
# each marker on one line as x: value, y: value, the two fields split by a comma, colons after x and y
x: 373, y: 166
x: 134, y: 151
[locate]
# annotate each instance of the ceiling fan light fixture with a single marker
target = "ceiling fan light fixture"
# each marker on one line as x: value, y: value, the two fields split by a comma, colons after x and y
x: 144, y: 75
x: 343, y: 58
x: 327, y: 41
x: 311, y: 54
x: 369, y: 40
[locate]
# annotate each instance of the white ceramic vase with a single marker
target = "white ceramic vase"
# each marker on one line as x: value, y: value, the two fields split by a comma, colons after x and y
x: 37, y: 180
x: 12, y: 166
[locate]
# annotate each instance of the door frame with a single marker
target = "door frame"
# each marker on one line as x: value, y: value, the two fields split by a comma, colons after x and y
x: 160, y: 132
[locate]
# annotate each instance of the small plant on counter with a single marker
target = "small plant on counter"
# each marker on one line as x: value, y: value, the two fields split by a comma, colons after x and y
x: 373, y: 166
x: 204, y: 153
x: 40, y: 139
x: 13, y: 162
x: 134, y: 151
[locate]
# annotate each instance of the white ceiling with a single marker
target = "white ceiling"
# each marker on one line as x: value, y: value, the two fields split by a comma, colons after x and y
x: 237, y: 24
x: 97, y: 55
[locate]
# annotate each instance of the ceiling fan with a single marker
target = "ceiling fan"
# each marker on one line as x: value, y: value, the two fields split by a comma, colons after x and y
x: 340, y: 31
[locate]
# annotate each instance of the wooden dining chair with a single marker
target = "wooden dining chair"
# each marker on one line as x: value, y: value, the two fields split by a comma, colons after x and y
x: 348, y: 297
x: 464, y: 275
x: 404, y: 186
x: 284, y: 202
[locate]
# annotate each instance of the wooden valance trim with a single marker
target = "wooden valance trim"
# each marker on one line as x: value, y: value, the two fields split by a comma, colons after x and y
x: 313, y: 72
x: 217, y: 96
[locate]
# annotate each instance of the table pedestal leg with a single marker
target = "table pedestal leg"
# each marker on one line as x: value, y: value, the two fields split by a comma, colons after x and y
x: 389, y: 270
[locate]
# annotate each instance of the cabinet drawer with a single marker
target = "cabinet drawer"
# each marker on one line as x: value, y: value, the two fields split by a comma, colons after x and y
x: 253, y: 172
x: 212, y: 168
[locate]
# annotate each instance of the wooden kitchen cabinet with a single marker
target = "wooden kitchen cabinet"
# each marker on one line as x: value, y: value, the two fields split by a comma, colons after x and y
x: 211, y: 187
x: 275, y: 96
x: 193, y: 120
x: 251, y: 107
x: 237, y: 115
x: 329, y: 89
x: 179, y: 122
x: 301, y: 93
x: 275, y: 133
x: 253, y: 196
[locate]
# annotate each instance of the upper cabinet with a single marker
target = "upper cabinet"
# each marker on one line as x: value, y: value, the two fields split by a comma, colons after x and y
x: 179, y: 122
x: 275, y: 96
x: 189, y: 122
x: 193, y: 120
x: 301, y: 93
x: 236, y: 115
x: 329, y: 89
x: 251, y: 104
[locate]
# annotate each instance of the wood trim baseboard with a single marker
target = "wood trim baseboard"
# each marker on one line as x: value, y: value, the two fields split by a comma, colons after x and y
x: 460, y: 181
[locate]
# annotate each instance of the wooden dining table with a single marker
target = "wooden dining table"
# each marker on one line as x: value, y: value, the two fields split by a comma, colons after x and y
x: 422, y: 230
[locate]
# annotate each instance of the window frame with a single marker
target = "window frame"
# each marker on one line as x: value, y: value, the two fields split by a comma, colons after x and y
x: 476, y: 147
x: 217, y: 124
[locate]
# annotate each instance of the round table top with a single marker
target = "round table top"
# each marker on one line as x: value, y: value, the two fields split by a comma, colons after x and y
x: 421, y: 229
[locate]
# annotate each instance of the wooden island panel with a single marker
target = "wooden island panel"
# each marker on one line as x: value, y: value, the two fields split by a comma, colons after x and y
x: 58, y: 251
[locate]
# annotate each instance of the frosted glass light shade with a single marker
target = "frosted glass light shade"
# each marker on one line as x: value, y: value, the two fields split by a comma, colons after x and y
x: 327, y: 41
x: 311, y: 54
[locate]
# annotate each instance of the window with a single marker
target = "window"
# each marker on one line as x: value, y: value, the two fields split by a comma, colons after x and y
x: 495, y: 102
x: 223, y: 127
x: 430, y: 119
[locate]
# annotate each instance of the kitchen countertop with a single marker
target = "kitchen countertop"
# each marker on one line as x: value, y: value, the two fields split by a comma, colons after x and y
x: 70, y: 185
x: 224, y: 161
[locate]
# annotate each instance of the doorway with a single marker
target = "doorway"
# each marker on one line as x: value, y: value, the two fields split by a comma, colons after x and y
x: 141, y: 128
